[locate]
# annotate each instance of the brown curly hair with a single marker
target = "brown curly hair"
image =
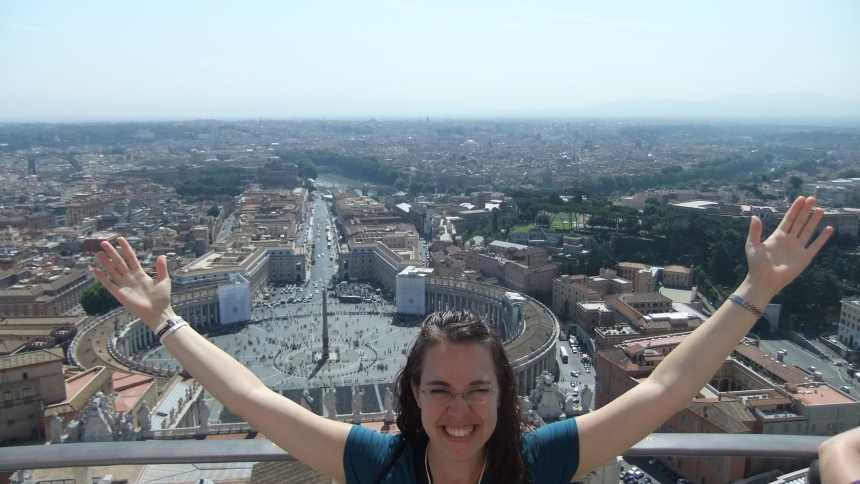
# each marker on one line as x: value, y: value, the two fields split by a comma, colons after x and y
x: 504, y: 448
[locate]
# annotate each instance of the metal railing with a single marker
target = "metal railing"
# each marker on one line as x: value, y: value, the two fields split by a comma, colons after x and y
x: 258, y: 450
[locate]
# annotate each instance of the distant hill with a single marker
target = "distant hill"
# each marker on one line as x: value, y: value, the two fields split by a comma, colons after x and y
x: 799, y: 106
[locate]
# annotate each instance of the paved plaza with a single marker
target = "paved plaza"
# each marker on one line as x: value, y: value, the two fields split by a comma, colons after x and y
x: 283, y: 343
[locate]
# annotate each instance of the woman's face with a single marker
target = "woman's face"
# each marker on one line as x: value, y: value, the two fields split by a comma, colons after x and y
x: 458, y: 429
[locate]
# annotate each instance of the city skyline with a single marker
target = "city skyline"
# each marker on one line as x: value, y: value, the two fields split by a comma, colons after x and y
x: 404, y: 59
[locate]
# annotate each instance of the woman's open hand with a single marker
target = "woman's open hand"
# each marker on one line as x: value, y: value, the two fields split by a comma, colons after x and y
x: 147, y: 298
x: 775, y: 262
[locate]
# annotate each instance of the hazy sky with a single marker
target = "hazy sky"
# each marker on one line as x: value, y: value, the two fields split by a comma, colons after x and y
x: 408, y: 58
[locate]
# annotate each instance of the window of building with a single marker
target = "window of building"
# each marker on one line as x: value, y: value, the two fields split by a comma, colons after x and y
x: 7, y: 396
x: 720, y: 468
x: 683, y: 418
x: 27, y: 392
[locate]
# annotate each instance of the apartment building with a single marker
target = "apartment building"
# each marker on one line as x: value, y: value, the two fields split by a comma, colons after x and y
x: 378, y: 250
x: 76, y: 212
x: 522, y: 268
x: 568, y: 291
x: 637, y: 315
x: 645, y: 278
x: 50, y: 293
x: 849, y: 323
x: 29, y: 382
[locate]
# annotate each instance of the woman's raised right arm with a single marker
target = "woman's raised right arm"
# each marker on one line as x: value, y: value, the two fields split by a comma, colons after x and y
x: 314, y: 440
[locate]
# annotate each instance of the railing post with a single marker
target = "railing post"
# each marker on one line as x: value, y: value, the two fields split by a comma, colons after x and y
x: 83, y: 475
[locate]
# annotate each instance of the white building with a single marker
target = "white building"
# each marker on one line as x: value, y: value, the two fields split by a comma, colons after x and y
x: 849, y: 323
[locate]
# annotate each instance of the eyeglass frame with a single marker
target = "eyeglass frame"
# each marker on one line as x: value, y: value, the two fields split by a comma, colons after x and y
x: 454, y: 395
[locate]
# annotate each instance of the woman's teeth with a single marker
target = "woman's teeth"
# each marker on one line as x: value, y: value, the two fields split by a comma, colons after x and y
x: 460, y: 432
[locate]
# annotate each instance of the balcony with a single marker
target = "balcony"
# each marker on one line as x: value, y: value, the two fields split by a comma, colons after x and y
x: 83, y: 455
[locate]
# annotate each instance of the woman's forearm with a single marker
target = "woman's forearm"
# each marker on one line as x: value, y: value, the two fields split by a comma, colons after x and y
x: 219, y: 373
x: 695, y: 361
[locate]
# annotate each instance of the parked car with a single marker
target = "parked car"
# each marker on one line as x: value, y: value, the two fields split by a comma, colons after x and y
x: 811, y: 368
x: 588, y: 369
x: 637, y: 472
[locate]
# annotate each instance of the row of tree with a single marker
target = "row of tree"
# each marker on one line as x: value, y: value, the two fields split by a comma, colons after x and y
x: 215, y: 181
x: 720, y: 169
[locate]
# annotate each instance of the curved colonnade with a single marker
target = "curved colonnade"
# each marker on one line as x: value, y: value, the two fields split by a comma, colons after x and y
x: 530, y: 345
x: 530, y: 348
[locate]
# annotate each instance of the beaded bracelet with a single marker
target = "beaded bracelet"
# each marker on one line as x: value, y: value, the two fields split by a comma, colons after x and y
x: 746, y: 304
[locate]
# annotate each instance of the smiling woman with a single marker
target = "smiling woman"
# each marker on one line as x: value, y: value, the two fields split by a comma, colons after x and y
x: 458, y: 410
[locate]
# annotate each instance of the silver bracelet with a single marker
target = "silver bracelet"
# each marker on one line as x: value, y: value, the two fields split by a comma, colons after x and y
x: 746, y: 304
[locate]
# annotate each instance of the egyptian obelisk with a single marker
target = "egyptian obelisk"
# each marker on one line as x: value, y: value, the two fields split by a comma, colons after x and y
x: 324, y: 355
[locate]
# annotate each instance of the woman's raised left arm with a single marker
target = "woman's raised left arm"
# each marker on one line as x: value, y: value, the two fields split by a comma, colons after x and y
x: 773, y: 264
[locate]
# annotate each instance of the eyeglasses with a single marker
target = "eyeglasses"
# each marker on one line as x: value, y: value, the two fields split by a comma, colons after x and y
x: 443, y: 396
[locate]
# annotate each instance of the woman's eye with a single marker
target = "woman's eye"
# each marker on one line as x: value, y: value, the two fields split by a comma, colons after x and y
x: 480, y: 391
x: 439, y: 391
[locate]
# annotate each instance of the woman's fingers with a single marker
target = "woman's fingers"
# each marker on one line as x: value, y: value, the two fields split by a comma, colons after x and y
x: 754, y: 236
x: 811, y: 225
x: 118, y: 263
x: 109, y: 266
x: 819, y: 241
x: 106, y: 282
x: 130, y: 255
x: 791, y: 215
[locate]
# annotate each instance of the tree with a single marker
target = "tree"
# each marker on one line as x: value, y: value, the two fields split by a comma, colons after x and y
x: 415, y: 188
x: 796, y: 182
x: 401, y: 184
x: 850, y: 174
x: 98, y: 300
x: 469, y: 190
x: 214, y: 211
x: 307, y: 168
x: 495, y: 226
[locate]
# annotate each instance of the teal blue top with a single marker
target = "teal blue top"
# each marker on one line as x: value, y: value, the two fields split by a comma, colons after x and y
x: 550, y: 455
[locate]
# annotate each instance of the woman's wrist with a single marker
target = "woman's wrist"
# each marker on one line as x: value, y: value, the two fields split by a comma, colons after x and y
x: 756, y: 293
x: 160, y: 318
